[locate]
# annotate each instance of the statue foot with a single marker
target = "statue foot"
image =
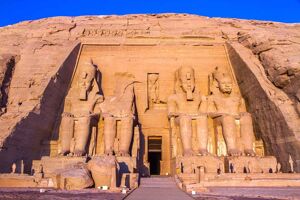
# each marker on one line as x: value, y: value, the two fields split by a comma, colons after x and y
x: 64, y: 153
x: 108, y: 153
x: 249, y: 152
x: 78, y: 153
x: 188, y: 153
x: 123, y: 154
x: 203, y: 152
x: 234, y: 152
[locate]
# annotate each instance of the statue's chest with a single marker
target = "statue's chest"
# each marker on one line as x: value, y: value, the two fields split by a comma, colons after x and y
x: 189, y: 105
x: 227, y: 102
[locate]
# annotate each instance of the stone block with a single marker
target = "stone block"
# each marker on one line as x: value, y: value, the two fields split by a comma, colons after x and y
x: 248, y: 164
x: 190, y: 164
x: 74, y: 178
x: 127, y: 164
x: 104, y: 171
x: 51, y: 165
x: 129, y: 180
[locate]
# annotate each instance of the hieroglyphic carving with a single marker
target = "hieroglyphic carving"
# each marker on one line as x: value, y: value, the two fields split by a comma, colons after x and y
x: 114, y: 32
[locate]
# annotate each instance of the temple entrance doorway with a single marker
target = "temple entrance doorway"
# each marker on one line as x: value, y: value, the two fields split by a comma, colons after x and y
x: 154, y: 154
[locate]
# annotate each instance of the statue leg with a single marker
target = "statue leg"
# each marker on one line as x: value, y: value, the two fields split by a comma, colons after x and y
x: 247, y: 134
x: 82, y: 135
x: 185, y: 124
x: 66, y: 130
x: 125, y: 136
x: 109, y: 134
x: 230, y: 134
x: 202, y: 134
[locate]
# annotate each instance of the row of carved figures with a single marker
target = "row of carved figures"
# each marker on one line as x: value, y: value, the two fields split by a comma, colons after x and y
x: 222, y: 105
x: 85, y: 104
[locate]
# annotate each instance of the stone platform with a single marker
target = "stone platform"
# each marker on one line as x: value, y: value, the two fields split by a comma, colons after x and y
x: 53, y: 164
x: 188, y: 182
x: 253, y: 164
x: 190, y: 164
x: 17, y: 180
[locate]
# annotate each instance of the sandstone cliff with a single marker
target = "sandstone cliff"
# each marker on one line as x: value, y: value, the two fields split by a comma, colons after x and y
x: 37, y: 59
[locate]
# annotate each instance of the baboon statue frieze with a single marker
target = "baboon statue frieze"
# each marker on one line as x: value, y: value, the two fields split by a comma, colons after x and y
x: 227, y: 107
x: 80, y: 110
x: 119, y: 107
x: 185, y: 105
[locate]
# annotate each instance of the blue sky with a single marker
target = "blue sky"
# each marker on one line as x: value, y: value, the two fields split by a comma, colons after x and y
x: 13, y: 11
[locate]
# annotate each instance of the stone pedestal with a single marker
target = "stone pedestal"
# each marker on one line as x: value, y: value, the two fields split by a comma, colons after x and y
x: 129, y: 180
x: 17, y: 180
x: 127, y: 164
x: 76, y: 178
x: 242, y: 164
x: 104, y: 171
x: 127, y: 176
x: 51, y: 165
x: 190, y: 164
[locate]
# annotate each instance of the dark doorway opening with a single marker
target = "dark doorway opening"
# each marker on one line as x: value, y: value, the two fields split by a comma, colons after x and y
x: 154, y: 154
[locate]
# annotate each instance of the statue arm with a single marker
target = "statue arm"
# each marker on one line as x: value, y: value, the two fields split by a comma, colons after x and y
x: 242, y: 106
x: 203, y: 105
x: 211, y: 106
x: 171, y: 106
x: 96, y: 101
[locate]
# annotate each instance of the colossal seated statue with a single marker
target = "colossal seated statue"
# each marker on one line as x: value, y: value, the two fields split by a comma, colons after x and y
x: 226, y: 107
x: 185, y: 105
x: 119, y: 107
x: 79, y: 110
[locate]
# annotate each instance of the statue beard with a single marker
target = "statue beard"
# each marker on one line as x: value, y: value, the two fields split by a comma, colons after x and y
x: 189, y: 90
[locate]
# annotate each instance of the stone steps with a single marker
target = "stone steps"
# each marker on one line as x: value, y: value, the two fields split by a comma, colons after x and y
x: 158, y: 188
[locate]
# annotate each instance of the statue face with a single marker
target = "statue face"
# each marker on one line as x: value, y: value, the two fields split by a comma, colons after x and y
x: 85, y: 82
x: 187, y: 79
x: 225, y: 85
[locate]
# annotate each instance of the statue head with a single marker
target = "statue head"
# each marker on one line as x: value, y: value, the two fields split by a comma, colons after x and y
x: 124, y: 81
x: 224, y: 82
x: 86, y: 78
x: 185, y: 81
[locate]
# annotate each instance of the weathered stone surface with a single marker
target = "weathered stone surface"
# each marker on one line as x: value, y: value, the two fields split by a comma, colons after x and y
x: 104, y: 171
x: 74, y: 178
x: 47, y: 50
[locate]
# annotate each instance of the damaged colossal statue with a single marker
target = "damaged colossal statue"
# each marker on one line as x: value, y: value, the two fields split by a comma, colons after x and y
x: 225, y: 108
x: 185, y: 105
x: 80, y: 109
x: 119, y: 108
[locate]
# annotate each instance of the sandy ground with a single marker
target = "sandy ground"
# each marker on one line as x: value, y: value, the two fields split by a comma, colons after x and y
x: 243, y: 193
x: 32, y: 194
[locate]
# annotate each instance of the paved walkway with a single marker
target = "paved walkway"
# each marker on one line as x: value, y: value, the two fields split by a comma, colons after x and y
x: 158, y: 188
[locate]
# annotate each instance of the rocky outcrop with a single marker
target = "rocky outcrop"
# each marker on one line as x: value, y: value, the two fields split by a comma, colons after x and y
x: 7, y: 63
x: 42, y: 56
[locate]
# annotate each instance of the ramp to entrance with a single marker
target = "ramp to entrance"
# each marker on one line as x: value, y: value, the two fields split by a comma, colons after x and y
x: 158, y: 188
